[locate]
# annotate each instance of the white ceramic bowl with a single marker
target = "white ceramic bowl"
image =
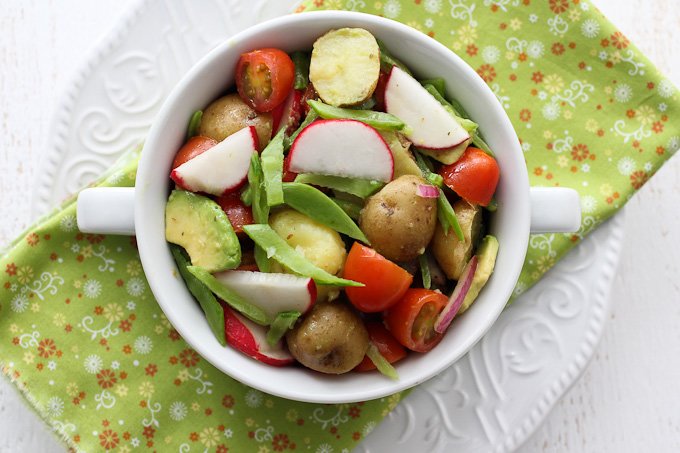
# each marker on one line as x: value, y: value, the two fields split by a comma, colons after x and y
x: 210, y: 78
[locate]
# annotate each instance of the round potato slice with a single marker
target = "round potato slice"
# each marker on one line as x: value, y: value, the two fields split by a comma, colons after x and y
x: 345, y: 66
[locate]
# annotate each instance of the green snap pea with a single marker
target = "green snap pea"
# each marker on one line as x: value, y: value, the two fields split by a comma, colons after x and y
x: 351, y: 209
x: 278, y: 249
x: 281, y: 324
x: 309, y: 119
x: 315, y: 204
x: 259, y: 197
x: 272, y: 169
x: 381, y: 362
x: 194, y: 123
x: 261, y: 259
x: 493, y: 205
x: 301, y: 62
x: 425, y: 271
x: 439, y: 84
x: 362, y: 188
x: 247, y: 195
x: 447, y: 216
x: 426, y: 169
x: 234, y: 300
x: 378, y: 120
x: 214, y: 313
x: 387, y: 60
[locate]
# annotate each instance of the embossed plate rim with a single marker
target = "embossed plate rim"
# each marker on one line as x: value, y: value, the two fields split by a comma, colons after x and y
x: 63, y: 118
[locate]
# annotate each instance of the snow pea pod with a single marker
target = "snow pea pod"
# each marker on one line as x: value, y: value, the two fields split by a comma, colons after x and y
x: 234, y: 300
x: 362, y: 188
x: 278, y: 249
x: 194, y: 123
x: 351, y: 209
x: 301, y: 62
x: 214, y: 313
x: 281, y: 324
x: 425, y: 271
x: 381, y: 363
x: 259, y: 197
x: 447, y: 216
x: 439, y: 84
x: 378, y: 120
x: 315, y: 204
x: 272, y: 168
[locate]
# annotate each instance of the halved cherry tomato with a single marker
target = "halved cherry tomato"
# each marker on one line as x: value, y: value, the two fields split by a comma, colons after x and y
x: 192, y: 148
x: 474, y: 176
x: 411, y: 319
x: 387, y: 345
x: 379, y: 93
x: 238, y: 213
x: 288, y: 176
x: 384, y: 281
x: 247, y: 261
x: 264, y: 78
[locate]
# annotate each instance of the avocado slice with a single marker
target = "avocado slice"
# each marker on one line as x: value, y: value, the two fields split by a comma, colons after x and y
x: 486, y: 256
x: 201, y: 227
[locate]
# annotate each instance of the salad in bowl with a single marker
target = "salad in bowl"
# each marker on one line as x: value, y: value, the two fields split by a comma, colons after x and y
x: 332, y: 210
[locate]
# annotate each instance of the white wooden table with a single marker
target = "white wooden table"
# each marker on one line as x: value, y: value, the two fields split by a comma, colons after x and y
x: 629, y: 396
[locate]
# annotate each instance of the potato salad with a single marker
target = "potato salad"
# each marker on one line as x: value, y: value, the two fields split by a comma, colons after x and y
x: 331, y: 209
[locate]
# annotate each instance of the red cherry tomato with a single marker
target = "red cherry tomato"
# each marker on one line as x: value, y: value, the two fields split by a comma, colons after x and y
x: 238, y: 213
x: 384, y: 281
x: 288, y: 176
x: 192, y: 148
x: 387, y: 345
x: 411, y: 319
x: 309, y: 93
x: 474, y: 176
x: 264, y: 78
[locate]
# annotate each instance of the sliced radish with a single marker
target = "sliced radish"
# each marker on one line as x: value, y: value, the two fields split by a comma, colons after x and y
x: 273, y: 293
x: 251, y: 339
x: 430, y: 124
x: 288, y: 114
x: 342, y: 147
x: 459, y: 292
x: 221, y: 169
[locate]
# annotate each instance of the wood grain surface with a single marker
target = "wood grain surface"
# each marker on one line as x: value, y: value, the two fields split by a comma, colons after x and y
x: 628, y: 398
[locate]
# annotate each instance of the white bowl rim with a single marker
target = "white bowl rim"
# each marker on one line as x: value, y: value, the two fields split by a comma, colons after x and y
x: 151, y: 254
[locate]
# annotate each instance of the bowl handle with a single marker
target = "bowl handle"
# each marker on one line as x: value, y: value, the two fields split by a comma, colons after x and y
x: 107, y: 210
x: 555, y: 210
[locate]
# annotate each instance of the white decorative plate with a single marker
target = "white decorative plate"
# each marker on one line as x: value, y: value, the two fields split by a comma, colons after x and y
x: 492, y: 399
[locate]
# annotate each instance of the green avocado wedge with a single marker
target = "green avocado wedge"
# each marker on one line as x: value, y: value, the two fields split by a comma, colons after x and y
x: 201, y: 227
x: 486, y: 254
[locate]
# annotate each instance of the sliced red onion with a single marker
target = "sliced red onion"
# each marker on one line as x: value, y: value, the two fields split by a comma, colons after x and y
x: 427, y: 191
x: 460, y: 291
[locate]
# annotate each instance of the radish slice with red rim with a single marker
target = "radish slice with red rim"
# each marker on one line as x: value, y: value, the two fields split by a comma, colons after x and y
x: 460, y: 291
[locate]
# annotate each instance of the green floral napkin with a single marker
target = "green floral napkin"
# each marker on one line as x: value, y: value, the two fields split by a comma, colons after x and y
x: 82, y: 337
x: 591, y: 111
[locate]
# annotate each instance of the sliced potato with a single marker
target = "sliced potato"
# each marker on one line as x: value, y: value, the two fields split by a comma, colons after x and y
x: 447, y: 156
x: 321, y: 245
x: 345, y: 66
x: 404, y: 163
x: 229, y: 114
x: 452, y: 254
